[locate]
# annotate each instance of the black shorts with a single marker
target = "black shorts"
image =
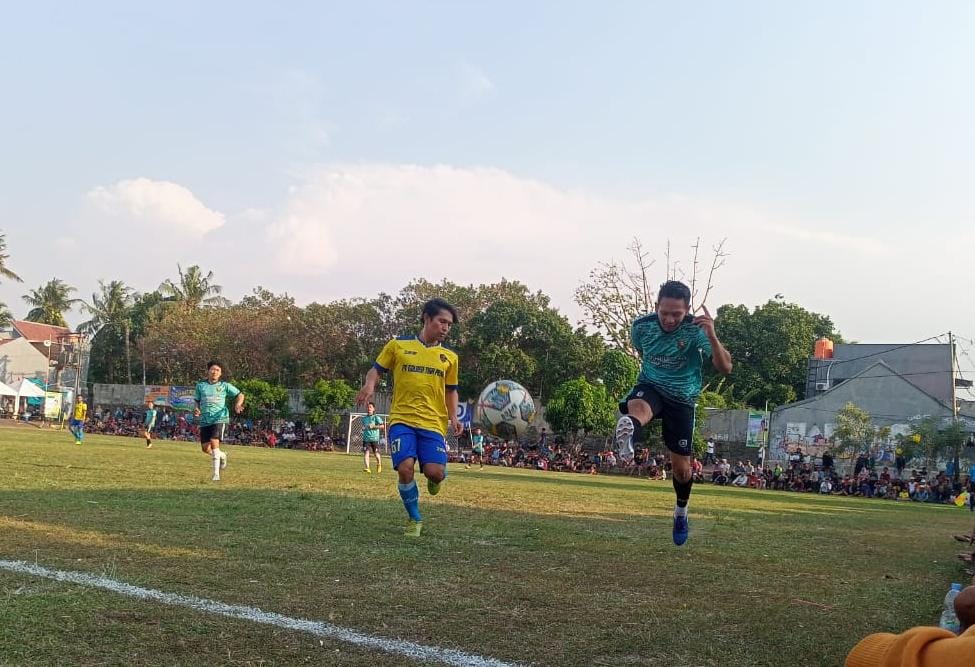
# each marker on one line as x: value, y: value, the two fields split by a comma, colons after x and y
x: 370, y: 446
x: 677, y: 417
x: 212, y: 432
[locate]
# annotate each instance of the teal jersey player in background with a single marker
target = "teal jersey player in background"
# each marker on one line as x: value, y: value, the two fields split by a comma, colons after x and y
x: 673, y: 346
x: 477, y: 448
x: 211, y: 410
x: 373, y: 426
x: 149, y: 422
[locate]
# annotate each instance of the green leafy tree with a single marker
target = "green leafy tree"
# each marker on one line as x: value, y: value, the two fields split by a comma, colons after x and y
x: 618, y: 371
x: 579, y: 406
x: 6, y: 271
x: 265, y: 401
x: 193, y: 289
x: 934, y: 438
x: 519, y: 336
x: 111, y: 316
x: 771, y: 346
x: 6, y: 317
x: 50, y: 302
x: 855, y: 431
x: 326, y: 399
x: 619, y: 291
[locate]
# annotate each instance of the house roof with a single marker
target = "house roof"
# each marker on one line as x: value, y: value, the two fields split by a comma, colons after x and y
x: 36, y: 332
x: 865, y: 374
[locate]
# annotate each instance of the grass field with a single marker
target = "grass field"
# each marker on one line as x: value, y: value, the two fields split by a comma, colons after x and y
x: 527, y: 567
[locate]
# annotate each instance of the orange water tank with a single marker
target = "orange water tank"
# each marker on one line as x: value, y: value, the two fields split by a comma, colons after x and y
x: 824, y: 349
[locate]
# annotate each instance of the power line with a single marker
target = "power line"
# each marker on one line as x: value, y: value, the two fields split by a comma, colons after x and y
x: 836, y: 362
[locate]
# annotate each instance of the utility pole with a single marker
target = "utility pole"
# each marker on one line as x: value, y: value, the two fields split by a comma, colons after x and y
x: 956, y: 455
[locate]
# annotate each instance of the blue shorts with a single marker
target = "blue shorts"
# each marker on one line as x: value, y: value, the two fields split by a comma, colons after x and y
x: 406, y: 442
x: 76, y: 423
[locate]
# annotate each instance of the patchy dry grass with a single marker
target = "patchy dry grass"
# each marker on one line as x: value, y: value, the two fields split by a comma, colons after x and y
x: 543, y: 568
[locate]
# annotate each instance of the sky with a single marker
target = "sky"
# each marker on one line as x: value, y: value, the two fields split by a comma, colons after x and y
x: 333, y: 150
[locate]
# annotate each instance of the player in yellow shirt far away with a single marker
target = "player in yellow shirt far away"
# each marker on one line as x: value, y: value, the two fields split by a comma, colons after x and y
x: 78, y: 415
x: 424, y: 403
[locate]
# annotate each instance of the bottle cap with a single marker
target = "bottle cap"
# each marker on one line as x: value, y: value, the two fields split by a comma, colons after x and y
x: 956, y: 587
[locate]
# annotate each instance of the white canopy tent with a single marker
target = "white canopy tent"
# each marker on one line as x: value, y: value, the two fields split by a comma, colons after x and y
x: 27, y: 389
x: 6, y: 390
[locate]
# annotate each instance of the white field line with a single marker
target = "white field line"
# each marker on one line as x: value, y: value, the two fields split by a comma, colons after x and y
x: 317, y: 628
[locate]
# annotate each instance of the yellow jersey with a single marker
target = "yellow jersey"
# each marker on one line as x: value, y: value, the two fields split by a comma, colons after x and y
x: 80, y: 411
x: 421, y: 377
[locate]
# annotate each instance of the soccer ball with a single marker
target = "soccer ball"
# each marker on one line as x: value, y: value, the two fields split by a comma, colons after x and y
x: 505, y: 409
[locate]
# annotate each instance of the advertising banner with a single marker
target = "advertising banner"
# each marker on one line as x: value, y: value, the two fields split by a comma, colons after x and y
x: 52, y: 404
x: 182, y: 398
x: 157, y: 393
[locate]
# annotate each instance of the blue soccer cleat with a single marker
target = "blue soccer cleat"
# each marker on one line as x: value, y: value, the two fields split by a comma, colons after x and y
x: 681, y: 529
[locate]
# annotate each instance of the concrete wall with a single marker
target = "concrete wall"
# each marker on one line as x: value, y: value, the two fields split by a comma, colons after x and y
x: 890, y: 399
x: 19, y: 359
x: 918, y: 363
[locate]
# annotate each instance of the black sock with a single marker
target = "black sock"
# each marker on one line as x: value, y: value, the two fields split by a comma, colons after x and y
x: 637, y: 427
x: 683, y: 490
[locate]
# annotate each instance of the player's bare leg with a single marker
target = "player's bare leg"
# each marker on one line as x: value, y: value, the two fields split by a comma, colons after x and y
x: 638, y: 414
x: 435, y: 474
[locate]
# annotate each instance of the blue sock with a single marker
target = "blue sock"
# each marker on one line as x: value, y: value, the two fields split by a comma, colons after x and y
x: 411, y: 499
x: 81, y: 435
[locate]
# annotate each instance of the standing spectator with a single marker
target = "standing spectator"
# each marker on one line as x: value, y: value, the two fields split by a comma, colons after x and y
x: 827, y: 462
x: 709, y: 457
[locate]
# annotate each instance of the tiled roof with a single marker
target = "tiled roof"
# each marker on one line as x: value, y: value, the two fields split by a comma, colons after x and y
x: 38, y: 333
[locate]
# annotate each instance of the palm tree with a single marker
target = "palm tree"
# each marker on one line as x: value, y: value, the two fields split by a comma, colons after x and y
x: 50, y: 302
x: 112, y: 309
x: 6, y: 317
x: 193, y: 289
x: 4, y: 271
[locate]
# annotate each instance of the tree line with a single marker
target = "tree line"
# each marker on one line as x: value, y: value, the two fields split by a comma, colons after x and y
x: 507, y: 330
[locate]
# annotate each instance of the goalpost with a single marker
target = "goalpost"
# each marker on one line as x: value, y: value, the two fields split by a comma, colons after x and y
x: 353, y: 435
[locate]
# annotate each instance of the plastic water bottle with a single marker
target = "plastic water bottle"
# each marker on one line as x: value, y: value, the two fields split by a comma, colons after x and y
x: 949, y: 620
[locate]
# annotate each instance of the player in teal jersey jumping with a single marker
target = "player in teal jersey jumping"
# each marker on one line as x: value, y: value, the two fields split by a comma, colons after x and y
x: 672, y: 345
x: 211, y: 409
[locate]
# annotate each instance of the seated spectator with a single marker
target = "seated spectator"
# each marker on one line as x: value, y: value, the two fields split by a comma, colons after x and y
x: 922, y: 646
x: 826, y: 487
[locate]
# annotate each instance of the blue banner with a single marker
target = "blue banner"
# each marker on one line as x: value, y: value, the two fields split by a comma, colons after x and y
x: 465, y: 414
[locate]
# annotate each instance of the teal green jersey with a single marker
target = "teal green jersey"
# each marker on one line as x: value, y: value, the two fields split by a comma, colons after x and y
x: 150, y: 419
x: 672, y: 362
x: 212, y: 399
x: 371, y: 424
x: 477, y: 441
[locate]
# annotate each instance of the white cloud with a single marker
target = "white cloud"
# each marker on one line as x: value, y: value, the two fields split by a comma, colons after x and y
x: 163, y: 204
x: 356, y: 230
x: 474, y: 83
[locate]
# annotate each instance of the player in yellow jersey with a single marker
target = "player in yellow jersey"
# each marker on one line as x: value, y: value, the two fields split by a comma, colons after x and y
x: 78, y: 415
x: 424, y: 404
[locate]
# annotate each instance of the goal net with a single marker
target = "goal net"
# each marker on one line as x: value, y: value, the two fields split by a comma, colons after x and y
x: 353, y: 436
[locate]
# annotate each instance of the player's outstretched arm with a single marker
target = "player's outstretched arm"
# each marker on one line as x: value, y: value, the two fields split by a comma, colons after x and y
x: 455, y: 423
x: 720, y: 357
x: 239, y: 405
x: 368, y: 387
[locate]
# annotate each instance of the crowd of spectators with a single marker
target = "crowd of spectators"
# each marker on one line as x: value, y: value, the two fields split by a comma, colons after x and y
x: 866, y: 481
x: 178, y: 425
x: 800, y: 474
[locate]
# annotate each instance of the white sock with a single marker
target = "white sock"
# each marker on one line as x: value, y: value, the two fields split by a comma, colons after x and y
x: 216, y: 462
x: 680, y: 511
